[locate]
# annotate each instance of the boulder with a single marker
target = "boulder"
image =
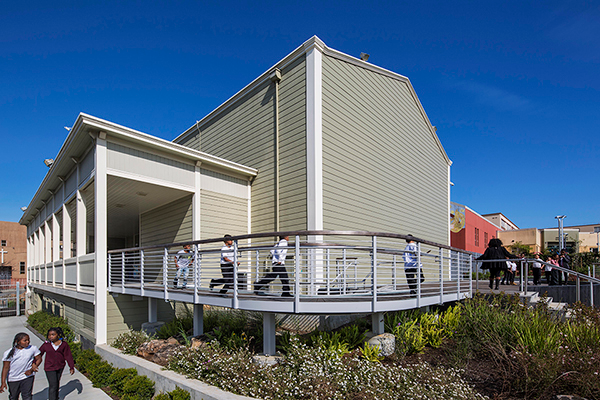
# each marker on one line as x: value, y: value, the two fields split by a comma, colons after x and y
x: 265, y: 360
x: 172, y: 340
x: 158, y: 351
x: 386, y: 343
x: 568, y: 397
x: 151, y: 328
x: 196, y: 343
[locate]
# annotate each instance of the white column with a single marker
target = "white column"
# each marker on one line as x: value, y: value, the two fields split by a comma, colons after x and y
x: 55, y: 238
x: 269, y: 333
x: 314, y: 138
x: 80, y: 234
x: 100, y: 237
x: 48, y: 244
x: 66, y: 239
x: 196, y: 202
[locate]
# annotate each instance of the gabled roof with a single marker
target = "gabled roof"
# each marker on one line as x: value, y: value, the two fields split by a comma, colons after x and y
x: 316, y: 43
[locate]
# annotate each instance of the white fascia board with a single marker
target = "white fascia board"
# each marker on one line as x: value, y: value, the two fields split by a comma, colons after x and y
x: 167, y: 146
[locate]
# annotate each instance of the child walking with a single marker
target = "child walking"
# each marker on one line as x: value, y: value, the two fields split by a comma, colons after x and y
x: 19, y: 365
x: 58, y: 354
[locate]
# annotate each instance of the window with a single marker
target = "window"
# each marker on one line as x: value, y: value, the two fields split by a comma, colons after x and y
x: 476, y: 236
x: 22, y: 267
x: 485, y: 238
x: 4, y: 243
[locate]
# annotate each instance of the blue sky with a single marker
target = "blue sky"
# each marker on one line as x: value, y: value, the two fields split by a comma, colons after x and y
x: 512, y: 86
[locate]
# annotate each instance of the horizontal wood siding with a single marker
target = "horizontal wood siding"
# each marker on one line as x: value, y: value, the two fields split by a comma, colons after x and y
x: 222, y: 214
x: 244, y: 133
x: 125, y: 312
x: 79, y: 313
x: 167, y: 224
x: 382, y: 168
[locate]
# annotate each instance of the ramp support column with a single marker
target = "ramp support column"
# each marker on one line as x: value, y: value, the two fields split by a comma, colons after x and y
x: 269, y: 333
x: 152, y: 310
x: 377, y: 322
x: 198, y: 319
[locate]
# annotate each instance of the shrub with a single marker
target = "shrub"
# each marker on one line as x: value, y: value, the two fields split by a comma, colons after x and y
x: 180, y: 394
x: 175, y: 326
x: 99, y: 372
x: 84, y: 360
x: 138, y: 388
x: 41, y: 321
x: 129, y: 342
x: 352, y: 335
x: 119, y: 377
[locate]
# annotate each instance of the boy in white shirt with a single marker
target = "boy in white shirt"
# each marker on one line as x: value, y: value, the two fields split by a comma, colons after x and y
x: 278, y: 269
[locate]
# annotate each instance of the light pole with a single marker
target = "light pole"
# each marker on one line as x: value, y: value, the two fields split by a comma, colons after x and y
x: 597, y: 232
x: 560, y: 231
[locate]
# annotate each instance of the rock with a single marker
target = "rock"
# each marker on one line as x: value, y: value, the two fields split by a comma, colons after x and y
x: 196, y: 343
x: 172, y: 340
x: 386, y: 343
x: 265, y: 360
x: 568, y: 397
x: 158, y: 351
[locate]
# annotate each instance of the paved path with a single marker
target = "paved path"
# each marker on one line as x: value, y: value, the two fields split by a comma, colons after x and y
x: 72, y: 386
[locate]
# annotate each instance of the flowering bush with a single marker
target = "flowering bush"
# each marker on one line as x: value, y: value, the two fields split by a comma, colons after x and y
x: 129, y: 342
x: 316, y: 373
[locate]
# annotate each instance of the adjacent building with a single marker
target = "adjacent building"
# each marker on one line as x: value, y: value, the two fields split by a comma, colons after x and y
x: 13, y: 251
x: 501, y: 220
x: 320, y: 141
x: 469, y: 230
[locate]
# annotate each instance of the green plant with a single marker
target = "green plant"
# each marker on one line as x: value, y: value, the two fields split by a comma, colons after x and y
x: 186, y: 338
x: 41, y: 321
x: 175, y: 326
x: 371, y: 353
x: 162, y: 396
x: 99, y: 372
x: 179, y: 394
x: 84, y: 360
x: 130, y: 341
x: 352, y: 335
x: 138, y: 388
x: 119, y: 377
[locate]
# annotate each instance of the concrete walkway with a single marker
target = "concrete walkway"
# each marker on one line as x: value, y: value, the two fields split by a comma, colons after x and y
x: 72, y: 386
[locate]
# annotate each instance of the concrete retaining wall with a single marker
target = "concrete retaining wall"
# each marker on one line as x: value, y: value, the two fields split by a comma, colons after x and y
x: 165, y: 381
x: 568, y: 293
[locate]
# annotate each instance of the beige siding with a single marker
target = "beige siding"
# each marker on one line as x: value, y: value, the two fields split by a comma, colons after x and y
x: 170, y: 223
x: 382, y: 167
x: 124, y: 312
x: 244, y: 133
x: 79, y: 313
x: 222, y: 214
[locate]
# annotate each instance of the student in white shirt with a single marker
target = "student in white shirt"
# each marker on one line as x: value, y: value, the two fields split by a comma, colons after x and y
x: 536, y: 269
x: 183, y: 259
x: 278, y: 269
x: 227, y: 255
x: 411, y: 267
x: 19, y: 366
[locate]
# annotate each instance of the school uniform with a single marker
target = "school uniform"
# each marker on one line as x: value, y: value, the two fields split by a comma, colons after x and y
x: 57, y: 356
x: 226, y: 270
x: 277, y: 269
x: 20, y: 362
x: 411, y: 268
x: 536, y: 269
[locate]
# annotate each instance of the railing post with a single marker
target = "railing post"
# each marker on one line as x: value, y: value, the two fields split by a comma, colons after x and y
x: 122, y: 272
x: 327, y: 272
x: 109, y: 273
x: 166, y: 273
x: 458, y: 262
x: 578, y: 292
x: 470, y: 275
x: 18, y: 300
x: 441, y: 262
x: 197, y: 275
x: 257, y: 274
x: 297, y: 274
x: 419, y: 274
x: 394, y: 271
x: 374, y: 272
x: 526, y: 283
x: 142, y: 267
x: 235, y: 274
x: 521, y: 277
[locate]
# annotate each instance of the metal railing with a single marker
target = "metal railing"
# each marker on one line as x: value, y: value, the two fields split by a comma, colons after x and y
x: 320, y: 265
x: 525, y: 267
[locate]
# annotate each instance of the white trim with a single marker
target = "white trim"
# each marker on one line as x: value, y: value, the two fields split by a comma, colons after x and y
x: 196, y: 203
x: 249, y: 206
x: 100, y: 237
x: 314, y: 139
x: 146, y: 179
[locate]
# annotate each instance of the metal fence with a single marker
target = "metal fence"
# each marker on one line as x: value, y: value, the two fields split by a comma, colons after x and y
x: 319, y: 264
x: 12, y: 298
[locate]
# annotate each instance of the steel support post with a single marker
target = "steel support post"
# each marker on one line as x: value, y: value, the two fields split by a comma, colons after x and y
x: 268, y: 334
x: 152, y: 309
x: 378, y: 323
x: 198, y: 319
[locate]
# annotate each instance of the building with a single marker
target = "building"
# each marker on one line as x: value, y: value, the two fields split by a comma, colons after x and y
x: 13, y: 251
x: 321, y: 140
x: 578, y: 238
x: 501, y: 220
x: 469, y: 230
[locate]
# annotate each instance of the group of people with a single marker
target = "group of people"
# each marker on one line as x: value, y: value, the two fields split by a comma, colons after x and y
x: 412, y: 268
x: 502, y: 260
x: 21, y: 361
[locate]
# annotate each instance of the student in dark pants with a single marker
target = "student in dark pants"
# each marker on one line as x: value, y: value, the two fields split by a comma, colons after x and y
x: 19, y: 365
x: 278, y: 269
x: 58, y: 354
x: 227, y: 255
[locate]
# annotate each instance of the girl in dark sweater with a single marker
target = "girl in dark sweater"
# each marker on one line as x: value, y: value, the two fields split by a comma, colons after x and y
x: 58, y: 354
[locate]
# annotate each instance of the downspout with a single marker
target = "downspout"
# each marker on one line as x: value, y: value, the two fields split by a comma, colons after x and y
x: 276, y: 78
